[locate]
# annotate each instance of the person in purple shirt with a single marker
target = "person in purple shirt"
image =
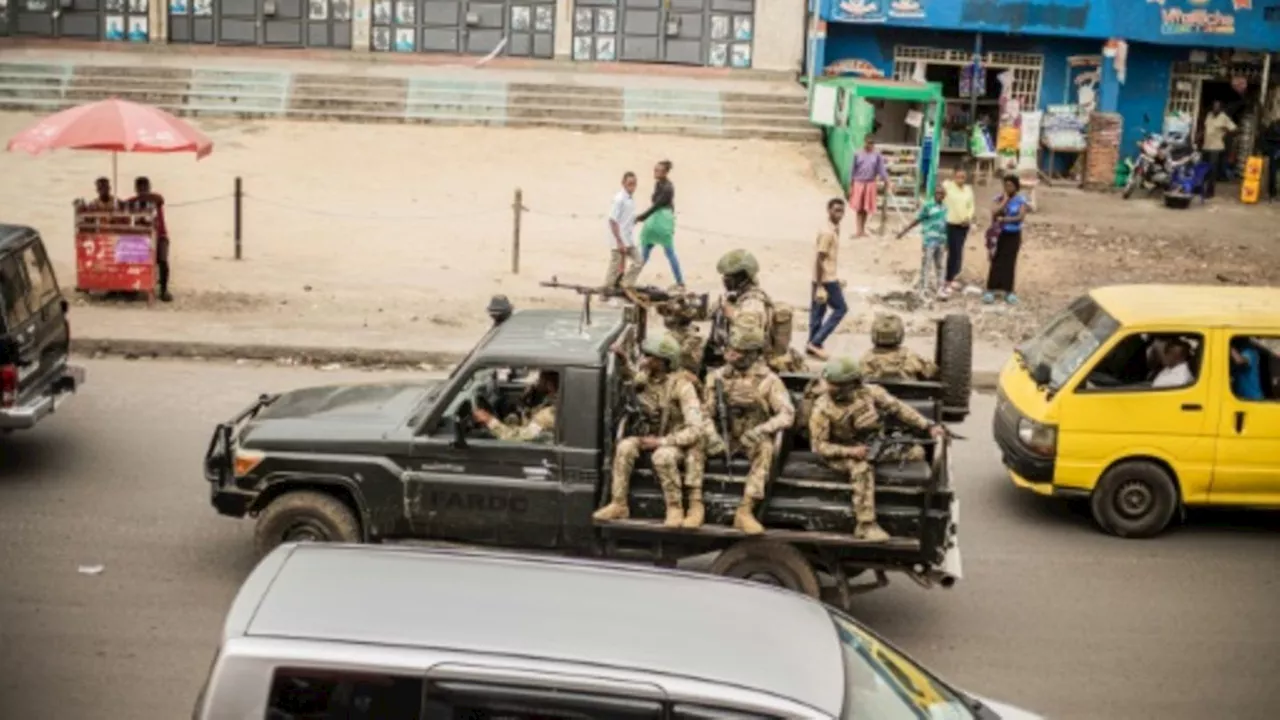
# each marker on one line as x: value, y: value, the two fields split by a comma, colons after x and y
x: 868, y: 169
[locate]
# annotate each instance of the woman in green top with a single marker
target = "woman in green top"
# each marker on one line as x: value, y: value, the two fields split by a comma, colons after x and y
x: 660, y: 220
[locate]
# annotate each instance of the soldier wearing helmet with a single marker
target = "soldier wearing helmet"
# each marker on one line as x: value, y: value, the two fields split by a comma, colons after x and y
x: 670, y: 426
x: 677, y: 317
x: 757, y: 406
x: 743, y: 302
x: 844, y: 419
x: 889, y: 359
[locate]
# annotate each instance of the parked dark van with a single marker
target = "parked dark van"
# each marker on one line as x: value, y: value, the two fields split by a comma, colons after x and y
x: 35, y: 337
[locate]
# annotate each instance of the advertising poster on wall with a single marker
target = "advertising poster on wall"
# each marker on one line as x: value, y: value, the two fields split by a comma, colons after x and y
x: 907, y: 9
x: 860, y: 11
x: 1197, y: 17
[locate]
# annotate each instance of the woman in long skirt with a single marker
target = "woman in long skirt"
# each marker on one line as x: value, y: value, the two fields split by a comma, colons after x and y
x: 660, y: 221
x: 1007, y: 215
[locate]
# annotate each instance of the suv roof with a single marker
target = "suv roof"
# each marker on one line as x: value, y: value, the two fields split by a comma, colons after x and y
x: 532, y: 337
x: 13, y: 235
x: 670, y: 623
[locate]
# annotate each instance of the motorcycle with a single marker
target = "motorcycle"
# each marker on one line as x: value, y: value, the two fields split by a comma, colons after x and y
x: 1148, y: 171
x: 1186, y: 174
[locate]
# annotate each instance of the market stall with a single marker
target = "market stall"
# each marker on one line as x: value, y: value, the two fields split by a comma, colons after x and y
x: 905, y: 121
x: 115, y: 251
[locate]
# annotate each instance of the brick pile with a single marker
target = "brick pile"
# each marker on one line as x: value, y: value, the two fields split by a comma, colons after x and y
x: 1102, y: 149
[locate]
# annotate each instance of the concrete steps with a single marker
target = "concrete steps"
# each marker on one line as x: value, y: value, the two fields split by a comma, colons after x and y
x: 420, y: 99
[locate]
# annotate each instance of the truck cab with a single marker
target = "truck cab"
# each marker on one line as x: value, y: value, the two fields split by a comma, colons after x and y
x: 393, y: 461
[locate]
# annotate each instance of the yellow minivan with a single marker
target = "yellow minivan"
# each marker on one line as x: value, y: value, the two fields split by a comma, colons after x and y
x: 1147, y: 399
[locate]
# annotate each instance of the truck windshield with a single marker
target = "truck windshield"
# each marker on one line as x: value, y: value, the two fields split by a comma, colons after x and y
x: 881, y: 684
x: 1067, y: 341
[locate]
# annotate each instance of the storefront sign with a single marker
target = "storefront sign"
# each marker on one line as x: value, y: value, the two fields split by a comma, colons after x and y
x: 906, y: 9
x: 1177, y: 21
x: 860, y: 11
x: 855, y: 67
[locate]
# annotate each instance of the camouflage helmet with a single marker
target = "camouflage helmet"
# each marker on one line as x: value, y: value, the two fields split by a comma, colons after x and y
x: 887, y: 330
x: 746, y: 337
x: 664, y: 347
x: 738, y: 261
x: 842, y: 371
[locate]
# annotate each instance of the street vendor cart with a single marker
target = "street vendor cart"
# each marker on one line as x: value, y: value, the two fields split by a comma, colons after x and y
x: 115, y: 251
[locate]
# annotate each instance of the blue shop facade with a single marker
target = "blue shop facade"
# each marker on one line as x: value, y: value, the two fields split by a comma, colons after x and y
x: 1143, y: 59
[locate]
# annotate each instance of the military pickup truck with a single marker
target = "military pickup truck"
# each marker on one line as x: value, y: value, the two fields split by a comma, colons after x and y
x: 402, y: 461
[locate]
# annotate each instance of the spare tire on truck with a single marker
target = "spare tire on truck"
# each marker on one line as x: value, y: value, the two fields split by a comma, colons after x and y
x: 954, y: 356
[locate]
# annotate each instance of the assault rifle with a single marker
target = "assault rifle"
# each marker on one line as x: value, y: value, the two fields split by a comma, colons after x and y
x: 722, y: 414
x: 880, y: 443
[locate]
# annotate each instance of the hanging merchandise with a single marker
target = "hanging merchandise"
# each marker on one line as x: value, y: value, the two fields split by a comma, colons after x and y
x: 1118, y: 51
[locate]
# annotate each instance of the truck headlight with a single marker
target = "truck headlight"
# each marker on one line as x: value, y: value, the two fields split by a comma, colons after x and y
x: 246, y: 460
x: 1039, y: 439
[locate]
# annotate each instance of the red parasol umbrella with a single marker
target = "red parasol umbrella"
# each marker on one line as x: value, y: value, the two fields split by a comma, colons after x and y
x: 114, y: 125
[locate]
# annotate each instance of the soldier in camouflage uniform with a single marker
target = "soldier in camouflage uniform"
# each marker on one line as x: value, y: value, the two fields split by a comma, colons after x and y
x: 671, y: 419
x: 744, y: 300
x: 758, y: 407
x: 841, y: 423
x: 889, y: 359
x: 541, y: 423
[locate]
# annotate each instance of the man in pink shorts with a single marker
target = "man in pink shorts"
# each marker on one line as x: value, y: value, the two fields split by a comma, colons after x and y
x: 868, y: 169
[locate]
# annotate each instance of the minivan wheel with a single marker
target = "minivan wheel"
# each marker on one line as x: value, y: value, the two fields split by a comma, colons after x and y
x: 768, y: 562
x: 1135, y: 500
x: 305, y: 516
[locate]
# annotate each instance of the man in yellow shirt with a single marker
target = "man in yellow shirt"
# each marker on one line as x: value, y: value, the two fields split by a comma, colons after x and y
x: 960, y: 213
x: 1217, y: 126
x: 827, y: 292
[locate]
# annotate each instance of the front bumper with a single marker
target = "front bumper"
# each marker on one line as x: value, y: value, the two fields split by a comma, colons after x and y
x: 1004, y: 428
x: 25, y: 416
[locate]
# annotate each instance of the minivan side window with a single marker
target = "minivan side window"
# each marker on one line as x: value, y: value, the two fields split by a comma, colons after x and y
x: 321, y: 695
x: 1148, y: 362
x: 1255, y: 368
x: 13, y: 291
x: 465, y: 700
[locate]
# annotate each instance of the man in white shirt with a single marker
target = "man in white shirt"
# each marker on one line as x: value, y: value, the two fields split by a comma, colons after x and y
x: 624, y: 257
x: 1176, y: 372
x: 1217, y: 126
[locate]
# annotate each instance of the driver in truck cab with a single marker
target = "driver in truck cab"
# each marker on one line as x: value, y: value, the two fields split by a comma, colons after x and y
x: 541, y: 425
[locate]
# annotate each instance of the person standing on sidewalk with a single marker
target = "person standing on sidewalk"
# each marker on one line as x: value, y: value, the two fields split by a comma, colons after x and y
x: 1009, y: 211
x: 869, y: 168
x: 827, y: 292
x: 660, y: 220
x: 960, y: 214
x: 145, y: 199
x: 932, y: 220
x: 624, y: 258
x: 1217, y: 125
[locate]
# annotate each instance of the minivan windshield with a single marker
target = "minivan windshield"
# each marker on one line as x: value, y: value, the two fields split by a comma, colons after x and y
x: 881, y: 684
x: 1067, y: 341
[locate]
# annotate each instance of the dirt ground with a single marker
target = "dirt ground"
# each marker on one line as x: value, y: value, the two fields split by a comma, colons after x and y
x: 394, y: 229
x: 394, y: 236
x: 1076, y: 240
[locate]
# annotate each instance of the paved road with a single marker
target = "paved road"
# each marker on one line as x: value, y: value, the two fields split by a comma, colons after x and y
x: 1051, y: 615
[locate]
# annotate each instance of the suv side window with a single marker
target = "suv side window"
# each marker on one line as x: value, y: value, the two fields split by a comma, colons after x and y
x: 43, y: 288
x: 13, y: 291
x: 513, y: 396
x: 336, y: 695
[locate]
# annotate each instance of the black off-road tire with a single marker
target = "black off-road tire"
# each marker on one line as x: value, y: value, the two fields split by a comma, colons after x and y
x: 955, y: 364
x: 1135, y: 499
x: 305, y: 515
x: 767, y: 557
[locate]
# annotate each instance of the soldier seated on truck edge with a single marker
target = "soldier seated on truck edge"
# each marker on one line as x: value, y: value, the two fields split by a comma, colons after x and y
x: 749, y: 404
x: 841, y: 423
x: 668, y: 424
x: 541, y: 425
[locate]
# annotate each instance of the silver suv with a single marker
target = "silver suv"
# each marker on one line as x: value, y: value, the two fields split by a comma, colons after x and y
x: 322, y: 631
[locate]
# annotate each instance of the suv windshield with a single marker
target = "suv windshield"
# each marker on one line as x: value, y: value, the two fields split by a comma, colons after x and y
x: 1069, y: 339
x: 881, y: 684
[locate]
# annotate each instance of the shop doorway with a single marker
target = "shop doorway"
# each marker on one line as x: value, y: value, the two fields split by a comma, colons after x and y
x: 1194, y: 86
x: 267, y: 23
x: 717, y: 33
x: 113, y: 20
x: 953, y: 70
x: 520, y: 28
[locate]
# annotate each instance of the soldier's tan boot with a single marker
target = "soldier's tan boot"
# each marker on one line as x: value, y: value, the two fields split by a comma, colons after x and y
x: 870, y: 531
x: 675, y: 512
x: 697, y: 513
x: 613, y: 511
x: 745, y: 520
